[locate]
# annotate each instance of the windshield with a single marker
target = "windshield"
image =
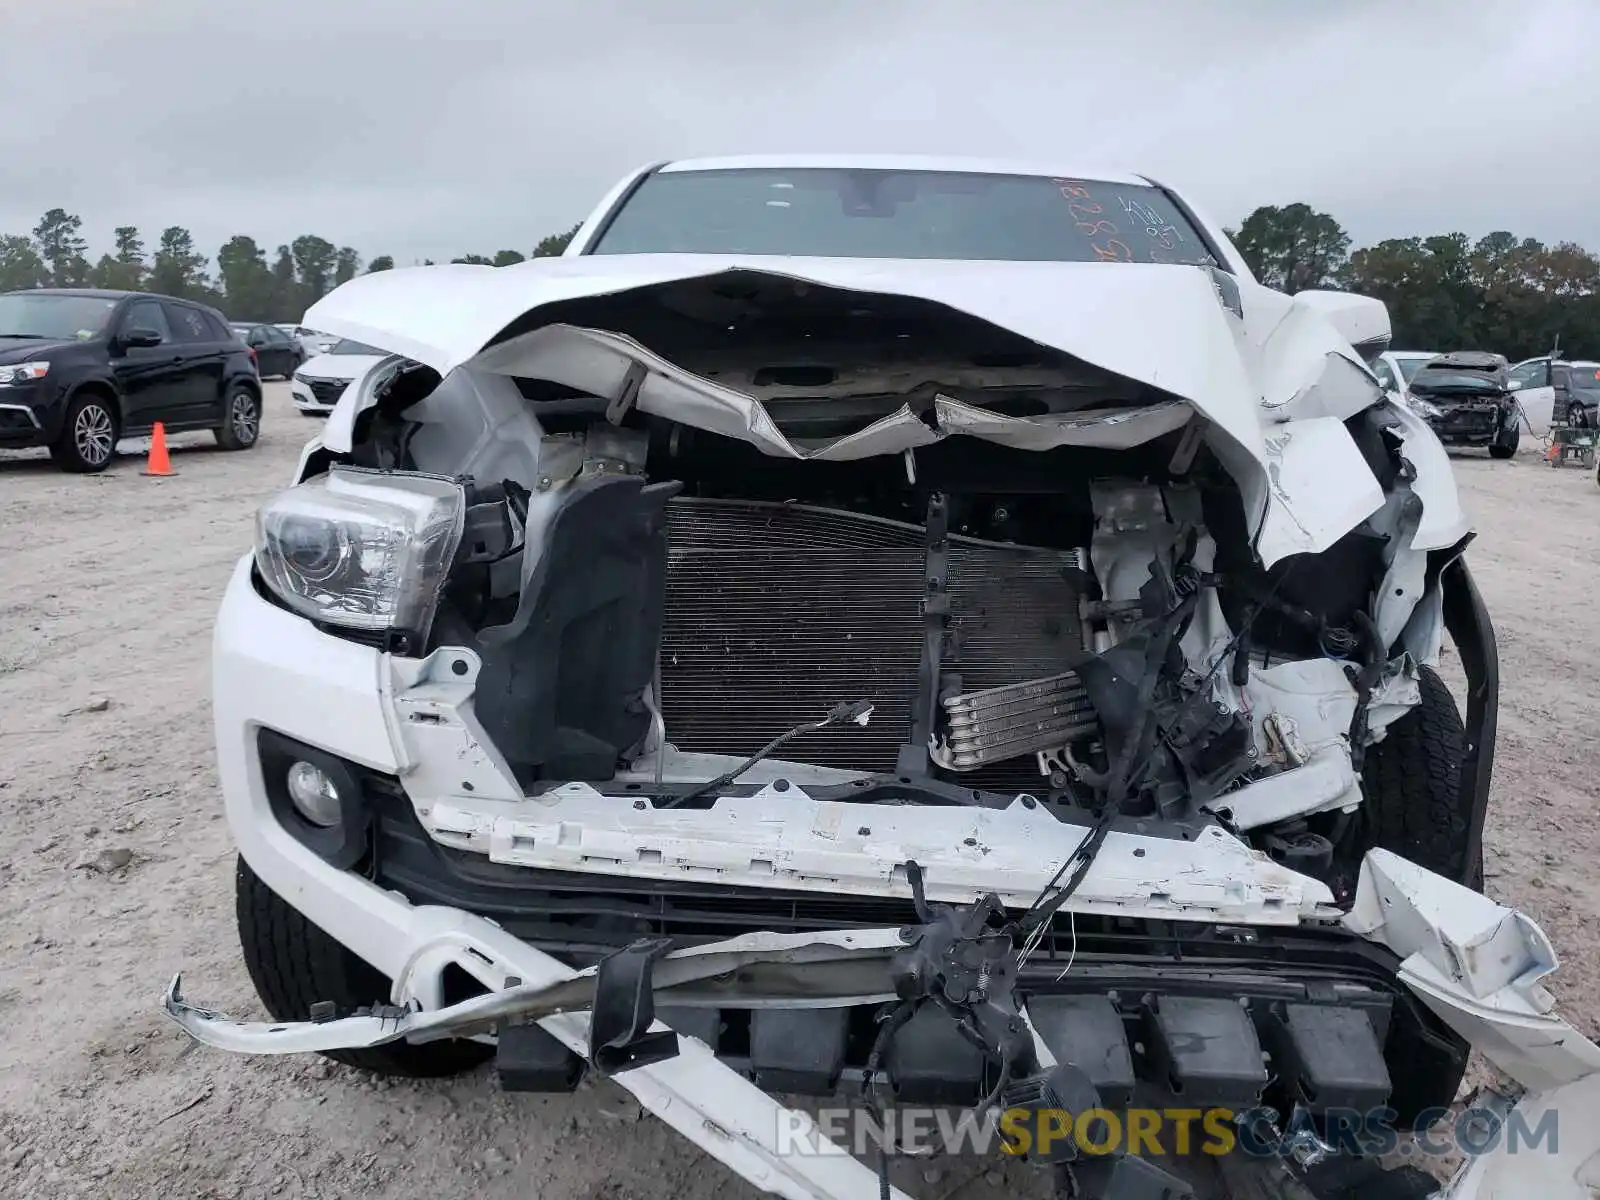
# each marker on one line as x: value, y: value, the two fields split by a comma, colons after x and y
x: 1410, y: 366
x: 1442, y: 379
x: 901, y: 214
x: 346, y: 346
x: 53, y: 317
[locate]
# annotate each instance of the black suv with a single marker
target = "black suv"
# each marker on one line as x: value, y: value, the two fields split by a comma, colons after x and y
x: 80, y: 369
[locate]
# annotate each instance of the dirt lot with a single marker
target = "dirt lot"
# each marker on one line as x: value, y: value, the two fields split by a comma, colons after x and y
x: 116, y: 868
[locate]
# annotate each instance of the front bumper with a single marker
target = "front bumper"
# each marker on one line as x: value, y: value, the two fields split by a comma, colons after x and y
x: 315, y: 397
x: 1474, y: 965
x: 21, y: 422
x: 733, y: 1119
x: 303, y: 400
x: 1469, y: 424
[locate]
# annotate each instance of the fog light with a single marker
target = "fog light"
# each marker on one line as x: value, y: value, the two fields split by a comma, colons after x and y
x: 315, y: 796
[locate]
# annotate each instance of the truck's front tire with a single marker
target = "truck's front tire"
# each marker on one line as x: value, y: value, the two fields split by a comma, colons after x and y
x: 293, y: 965
x: 1412, y: 787
x: 1413, y: 806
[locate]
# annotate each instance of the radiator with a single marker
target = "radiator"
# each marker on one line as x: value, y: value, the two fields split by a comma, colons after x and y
x: 775, y: 613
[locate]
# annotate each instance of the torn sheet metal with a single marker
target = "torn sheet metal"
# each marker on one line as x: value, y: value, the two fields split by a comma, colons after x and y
x: 1162, y: 326
x: 1479, y: 966
x: 1475, y: 963
x: 706, y: 1101
x: 1325, y: 782
x: 1493, y: 958
x: 1443, y: 522
x: 598, y: 362
x: 1309, y: 487
x: 1314, y: 697
x: 683, y: 976
x: 1567, y: 1167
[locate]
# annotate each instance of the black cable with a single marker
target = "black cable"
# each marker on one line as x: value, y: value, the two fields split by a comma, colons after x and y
x: 839, y: 713
x: 890, y: 1024
x: 1043, y: 909
x: 1365, y: 681
x: 1119, y: 775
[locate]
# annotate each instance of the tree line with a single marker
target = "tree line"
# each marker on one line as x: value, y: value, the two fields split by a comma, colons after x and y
x: 242, y: 282
x: 1514, y: 295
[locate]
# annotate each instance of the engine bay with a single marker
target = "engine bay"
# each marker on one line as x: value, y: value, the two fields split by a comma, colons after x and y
x: 675, y: 604
x: 1087, y: 627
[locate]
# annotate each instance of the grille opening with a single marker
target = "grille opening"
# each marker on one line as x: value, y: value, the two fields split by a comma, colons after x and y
x: 775, y: 613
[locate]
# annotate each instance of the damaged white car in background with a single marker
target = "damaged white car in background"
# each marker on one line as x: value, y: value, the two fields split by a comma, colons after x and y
x: 918, y: 630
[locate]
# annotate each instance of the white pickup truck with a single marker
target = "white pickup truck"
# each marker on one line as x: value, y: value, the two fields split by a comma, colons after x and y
x: 887, y: 627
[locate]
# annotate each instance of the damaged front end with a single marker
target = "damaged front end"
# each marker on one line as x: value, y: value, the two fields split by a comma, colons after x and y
x: 897, y: 679
x: 1467, y: 399
x: 952, y: 985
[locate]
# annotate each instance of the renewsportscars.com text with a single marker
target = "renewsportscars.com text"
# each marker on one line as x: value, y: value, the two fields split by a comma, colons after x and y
x: 1154, y: 1132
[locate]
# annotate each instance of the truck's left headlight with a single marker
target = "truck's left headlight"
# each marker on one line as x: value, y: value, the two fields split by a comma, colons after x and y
x: 362, y: 549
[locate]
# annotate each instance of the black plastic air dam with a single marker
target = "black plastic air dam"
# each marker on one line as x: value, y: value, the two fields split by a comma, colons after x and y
x: 581, y: 917
x: 775, y: 613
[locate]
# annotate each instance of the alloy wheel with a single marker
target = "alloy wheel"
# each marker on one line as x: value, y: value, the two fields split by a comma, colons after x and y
x: 93, y: 435
x: 244, y: 417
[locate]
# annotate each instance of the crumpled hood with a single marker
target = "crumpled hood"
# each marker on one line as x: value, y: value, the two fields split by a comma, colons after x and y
x: 1160, y: 325
x: 1246, y: 358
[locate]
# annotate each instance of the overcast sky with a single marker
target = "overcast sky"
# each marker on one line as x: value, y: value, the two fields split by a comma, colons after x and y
x: 430, y: 128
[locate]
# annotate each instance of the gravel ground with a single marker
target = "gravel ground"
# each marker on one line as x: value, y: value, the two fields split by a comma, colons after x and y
x: 116, y: 867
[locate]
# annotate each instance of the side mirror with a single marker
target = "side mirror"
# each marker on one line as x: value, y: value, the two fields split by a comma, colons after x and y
x: 1514, y: 386
x: 140, y: 337
x: 1361, y: 320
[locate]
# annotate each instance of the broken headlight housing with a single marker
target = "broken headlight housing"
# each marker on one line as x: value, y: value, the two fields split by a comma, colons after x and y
x: 1423, y: 409
x: 362, y: 549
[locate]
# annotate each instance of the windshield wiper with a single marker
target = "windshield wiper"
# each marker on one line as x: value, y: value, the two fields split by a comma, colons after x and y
x: 32, y: 337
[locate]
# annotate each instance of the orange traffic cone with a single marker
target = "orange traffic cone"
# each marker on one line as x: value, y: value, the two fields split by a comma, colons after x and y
x: 159, y: 463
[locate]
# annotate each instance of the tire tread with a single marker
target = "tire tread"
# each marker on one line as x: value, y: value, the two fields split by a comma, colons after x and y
x: 1412, y: 783
x: 294, y: 964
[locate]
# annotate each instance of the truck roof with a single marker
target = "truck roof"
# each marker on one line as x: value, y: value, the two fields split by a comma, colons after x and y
x: 902, y: 162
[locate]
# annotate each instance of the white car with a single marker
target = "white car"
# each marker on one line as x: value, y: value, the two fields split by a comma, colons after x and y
x: 1549, y: 385
x: 311, y: 341
x: 872, y: 617
x: 1394, y: 368
x: 319, y: 382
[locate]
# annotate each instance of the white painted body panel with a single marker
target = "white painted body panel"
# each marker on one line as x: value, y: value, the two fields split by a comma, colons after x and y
x: 1258, y: 379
